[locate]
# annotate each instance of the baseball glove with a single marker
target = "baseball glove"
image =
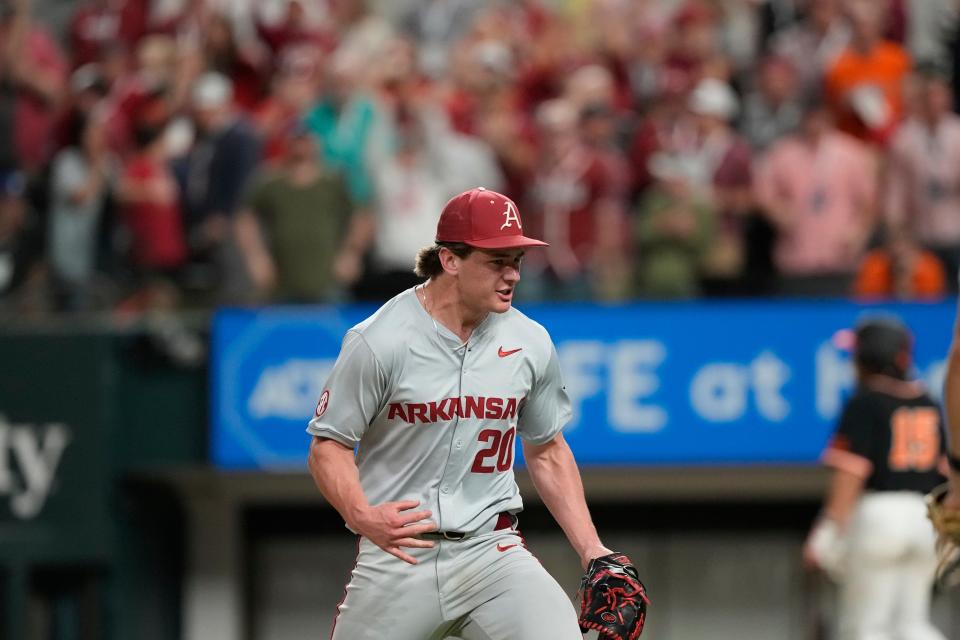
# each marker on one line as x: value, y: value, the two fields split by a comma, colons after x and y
x: 946, y: 522
x: 613, y: 601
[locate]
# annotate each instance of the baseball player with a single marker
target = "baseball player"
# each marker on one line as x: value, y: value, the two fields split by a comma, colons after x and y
x: 432, y: 391
x: 873, y: 536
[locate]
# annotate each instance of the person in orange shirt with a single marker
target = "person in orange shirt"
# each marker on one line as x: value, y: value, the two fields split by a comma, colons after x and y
x: 900, y: 269
x: 864, y: 87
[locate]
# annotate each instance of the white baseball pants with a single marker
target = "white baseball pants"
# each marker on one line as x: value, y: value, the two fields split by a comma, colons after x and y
x: 485, y: 587
x: 885, y: 594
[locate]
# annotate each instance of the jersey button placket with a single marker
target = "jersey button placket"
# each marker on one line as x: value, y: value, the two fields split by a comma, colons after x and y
x: 454, y: 462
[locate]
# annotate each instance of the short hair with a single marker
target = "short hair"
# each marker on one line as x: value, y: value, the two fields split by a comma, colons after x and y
x: 879, y: 342
x: 428, y: 258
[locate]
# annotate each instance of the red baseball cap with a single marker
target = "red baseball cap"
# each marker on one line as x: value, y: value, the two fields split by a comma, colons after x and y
x: 483, y: 219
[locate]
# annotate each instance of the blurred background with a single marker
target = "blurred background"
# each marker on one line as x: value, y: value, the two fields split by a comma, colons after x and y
x: 198, y: 197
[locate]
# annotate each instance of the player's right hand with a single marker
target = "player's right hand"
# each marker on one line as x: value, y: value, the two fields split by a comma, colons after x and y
x: 394, y: 525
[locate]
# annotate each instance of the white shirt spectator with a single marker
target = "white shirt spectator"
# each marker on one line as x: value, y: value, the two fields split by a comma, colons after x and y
x: 923, y: 185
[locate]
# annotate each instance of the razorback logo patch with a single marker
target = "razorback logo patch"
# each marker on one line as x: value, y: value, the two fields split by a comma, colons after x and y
x: 322, y: 404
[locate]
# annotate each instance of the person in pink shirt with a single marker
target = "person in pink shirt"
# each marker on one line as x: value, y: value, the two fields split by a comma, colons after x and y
x: 922, y: 186
x: 818, y: 189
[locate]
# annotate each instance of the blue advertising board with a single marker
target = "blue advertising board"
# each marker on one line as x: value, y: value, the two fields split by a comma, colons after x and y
x: 678, y: 383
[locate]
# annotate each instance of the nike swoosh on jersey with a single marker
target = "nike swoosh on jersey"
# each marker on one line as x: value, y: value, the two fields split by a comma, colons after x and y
x: 504, y: 354
x: 503, y: 547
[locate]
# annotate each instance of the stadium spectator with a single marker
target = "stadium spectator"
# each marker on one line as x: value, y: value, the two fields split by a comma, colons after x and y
x: 922, y: 186
x: 772, y: 109
x: 364, y: 35
x: 98, y: 25
x: 345, y: 119
x: 646, y: 70
x: 695, y: 52
x: 546, y: 62
x: 214, y: 176
x: 414, y: 126
x: 436, y: 25
x: 900, y: 269
x: 88, y: 89
x: 404, y: 118
x: 296, y: 28
x: 813, y: 45
x: 928, y: 25
x: 864, y: 86
x: 80, y: 185
x: 720, y: 160
x: 480, y: 74
x: 292, y: 93
x: 577, y: 201
x: 139, y: 86
x: 482, y: 100
x: 663, y: 127
x: 775, y: 17
x: 818, y: 189
x: 224, y: 54
x: 183, y: 20
x: 427, y: 164
x: 33, y: 79
x: 594, y: 92
x: 610, y: 40
x: 300, y: 237
x: 17, y: 256
x: 149, y: 208
x: 673, y: 226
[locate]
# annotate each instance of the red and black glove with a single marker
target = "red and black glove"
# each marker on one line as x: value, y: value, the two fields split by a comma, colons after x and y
x: 613, y: 601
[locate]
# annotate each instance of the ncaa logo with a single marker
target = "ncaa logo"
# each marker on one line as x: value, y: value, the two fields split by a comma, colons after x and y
x: 322, y: 404
x: 511, y: 215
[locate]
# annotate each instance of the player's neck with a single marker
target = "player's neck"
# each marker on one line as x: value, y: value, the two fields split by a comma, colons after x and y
x: 440, y: 298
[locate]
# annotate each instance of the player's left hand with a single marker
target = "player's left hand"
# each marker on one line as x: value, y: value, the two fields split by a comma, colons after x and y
x: 613, y: 601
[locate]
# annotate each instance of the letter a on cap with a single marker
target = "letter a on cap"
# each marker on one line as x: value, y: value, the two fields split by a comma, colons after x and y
x: 511, y: 215
x: 484, y: 219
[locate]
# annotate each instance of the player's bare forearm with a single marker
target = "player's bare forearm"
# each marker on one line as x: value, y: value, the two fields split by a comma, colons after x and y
x: 335, y: 473
x: 556, y: 477
x: 842, y: 496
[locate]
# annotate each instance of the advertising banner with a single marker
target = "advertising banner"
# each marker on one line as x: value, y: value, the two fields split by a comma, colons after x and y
x: 677, y: 383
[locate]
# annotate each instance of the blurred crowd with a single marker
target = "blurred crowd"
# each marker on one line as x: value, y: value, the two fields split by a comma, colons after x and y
x: 190, y: 153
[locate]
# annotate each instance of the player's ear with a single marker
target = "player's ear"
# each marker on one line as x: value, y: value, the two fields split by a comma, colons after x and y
x: 449, y: 261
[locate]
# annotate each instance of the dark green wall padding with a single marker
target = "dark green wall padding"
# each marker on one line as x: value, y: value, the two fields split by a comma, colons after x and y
x: 102, y: 555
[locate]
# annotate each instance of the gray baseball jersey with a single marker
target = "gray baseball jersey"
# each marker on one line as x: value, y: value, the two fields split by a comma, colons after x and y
x: 435, y: 419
